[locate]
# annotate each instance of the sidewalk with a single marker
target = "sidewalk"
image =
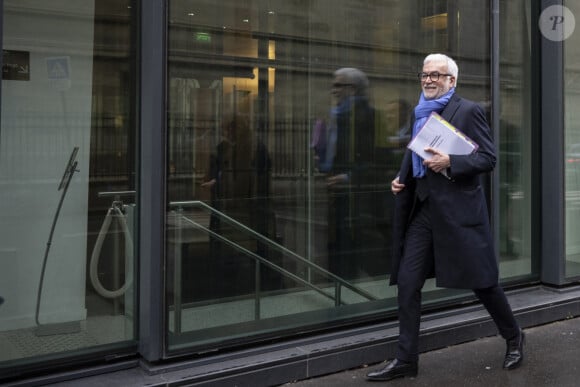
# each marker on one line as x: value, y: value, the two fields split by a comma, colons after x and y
x: 551, y: 358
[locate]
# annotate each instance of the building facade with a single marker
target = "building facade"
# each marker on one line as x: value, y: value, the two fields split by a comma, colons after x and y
x: 164, y: 190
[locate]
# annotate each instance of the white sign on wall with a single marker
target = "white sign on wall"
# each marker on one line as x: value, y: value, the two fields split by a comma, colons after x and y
x: 58, y: 71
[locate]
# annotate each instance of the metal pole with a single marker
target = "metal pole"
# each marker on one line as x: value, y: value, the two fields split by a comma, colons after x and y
x: 177, y: 286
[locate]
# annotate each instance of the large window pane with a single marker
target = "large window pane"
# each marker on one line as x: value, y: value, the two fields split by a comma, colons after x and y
x: 67, y: 140
x: 258, y: 242
x: 515, y: 139
x: 572, y: 146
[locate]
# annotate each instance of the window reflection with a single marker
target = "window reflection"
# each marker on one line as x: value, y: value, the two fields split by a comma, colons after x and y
x: 258, y: 241
x: 515, y: 171
x: 572, y: 150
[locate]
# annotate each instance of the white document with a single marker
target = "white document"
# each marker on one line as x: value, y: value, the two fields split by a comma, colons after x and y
x: 440, y: 134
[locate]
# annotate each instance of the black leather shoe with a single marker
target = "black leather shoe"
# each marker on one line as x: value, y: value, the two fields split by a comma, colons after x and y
x: 394, y: 369
x: 514, y: 354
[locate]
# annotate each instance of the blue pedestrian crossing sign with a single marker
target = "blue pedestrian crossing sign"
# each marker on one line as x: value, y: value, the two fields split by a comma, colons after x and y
x: 58, y: 68
x: 58, y: 72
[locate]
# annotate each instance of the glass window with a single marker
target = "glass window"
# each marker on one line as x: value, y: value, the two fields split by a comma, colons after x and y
x: 275, y: 222
x: 67, y: 171
x: 515, y: 141
x: 572, y: 147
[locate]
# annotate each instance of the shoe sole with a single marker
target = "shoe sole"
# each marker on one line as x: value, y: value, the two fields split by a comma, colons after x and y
x: 409, y: 375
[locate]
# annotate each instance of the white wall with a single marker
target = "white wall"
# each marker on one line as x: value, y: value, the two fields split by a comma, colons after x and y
x: 43, y: 119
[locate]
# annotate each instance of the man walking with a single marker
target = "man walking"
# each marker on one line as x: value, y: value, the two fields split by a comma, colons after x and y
x: 442, y: 224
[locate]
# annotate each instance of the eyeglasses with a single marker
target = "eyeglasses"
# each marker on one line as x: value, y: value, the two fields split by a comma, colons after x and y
x: 337, y: 85
x: 434, y: 76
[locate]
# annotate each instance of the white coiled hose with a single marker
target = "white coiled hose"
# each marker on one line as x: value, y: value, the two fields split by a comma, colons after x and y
x: 95, y: 256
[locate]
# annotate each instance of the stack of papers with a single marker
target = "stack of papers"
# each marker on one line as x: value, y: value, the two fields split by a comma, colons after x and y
x: 440, y: 134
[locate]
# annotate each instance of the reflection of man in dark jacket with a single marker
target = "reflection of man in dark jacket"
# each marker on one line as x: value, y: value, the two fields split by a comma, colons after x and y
x: 220, y: 178
x: 229, y: 172
x: 442, y: 225
x: 351, y: 177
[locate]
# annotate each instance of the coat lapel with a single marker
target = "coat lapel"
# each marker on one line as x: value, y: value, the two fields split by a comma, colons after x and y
x: 451, y: 107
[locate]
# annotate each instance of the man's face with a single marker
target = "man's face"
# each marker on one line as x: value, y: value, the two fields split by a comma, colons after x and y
x: 433, y: 89
x: 341, y: 89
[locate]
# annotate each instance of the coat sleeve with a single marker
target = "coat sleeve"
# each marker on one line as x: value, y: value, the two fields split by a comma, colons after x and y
x: 404, y: 201
x: 471, y: 121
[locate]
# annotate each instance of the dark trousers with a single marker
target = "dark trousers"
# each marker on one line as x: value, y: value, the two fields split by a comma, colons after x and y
x: 416, y: 264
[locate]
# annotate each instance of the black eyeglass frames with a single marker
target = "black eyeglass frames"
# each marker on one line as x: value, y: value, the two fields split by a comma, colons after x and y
x: 338, y: 85
x: 434, y: 76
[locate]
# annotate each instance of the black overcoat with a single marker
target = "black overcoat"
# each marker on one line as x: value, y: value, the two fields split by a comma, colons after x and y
x: 462, y: 242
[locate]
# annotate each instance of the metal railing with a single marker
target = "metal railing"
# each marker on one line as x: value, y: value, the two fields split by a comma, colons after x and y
x: 181, y: 218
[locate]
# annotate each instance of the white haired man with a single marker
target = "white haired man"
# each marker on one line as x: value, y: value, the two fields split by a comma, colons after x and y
x: 441, y: 222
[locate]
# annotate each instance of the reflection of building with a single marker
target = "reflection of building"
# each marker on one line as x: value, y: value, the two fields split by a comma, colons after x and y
x: 147, y: 102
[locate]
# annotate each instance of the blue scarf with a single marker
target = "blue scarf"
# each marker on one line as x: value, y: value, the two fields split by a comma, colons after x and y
x: 343, y: 107
x: 422, y: 112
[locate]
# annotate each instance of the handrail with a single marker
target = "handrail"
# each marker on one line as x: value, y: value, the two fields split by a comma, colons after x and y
x: 259, y: 258
x: 231, y: 221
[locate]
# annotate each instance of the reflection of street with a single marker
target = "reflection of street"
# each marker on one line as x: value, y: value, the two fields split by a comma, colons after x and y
x: 572, y: 203
x: 572, y: 209
x: 573, y: 181
x: 572, y: 216
x: 511, y: 206
x: 572, y: 199
x: 571, y: 166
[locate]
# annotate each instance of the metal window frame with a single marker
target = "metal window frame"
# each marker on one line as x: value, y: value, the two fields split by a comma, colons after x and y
x: 495, y: 114
x: 151, y: 193
x: 551, y: 151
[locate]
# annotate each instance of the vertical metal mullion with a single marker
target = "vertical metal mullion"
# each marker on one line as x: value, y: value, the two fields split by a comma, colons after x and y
x: 495, y: 120
x: 1, y: 49
x: 552, y: 166
x: 152, y: 46
x: 536, y: 143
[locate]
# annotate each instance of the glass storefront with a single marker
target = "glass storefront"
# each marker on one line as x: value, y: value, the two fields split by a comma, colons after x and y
x: 275, y: 223
x: 67, y: 171
x: 572, y: 147
x: 259, y: 241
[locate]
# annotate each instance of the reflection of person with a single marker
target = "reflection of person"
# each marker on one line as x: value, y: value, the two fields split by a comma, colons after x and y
x: 447, y: 233
x: 261, y: 181
x: 221, y: 163
x: 319, y: 137
x: 398, y: 113
x: 229, y: 179
x: 229, y: 169
x: 348, y: 161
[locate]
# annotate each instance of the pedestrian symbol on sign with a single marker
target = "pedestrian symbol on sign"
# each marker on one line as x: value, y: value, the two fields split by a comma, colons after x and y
x: 58, y: 68
x: 58, y: 71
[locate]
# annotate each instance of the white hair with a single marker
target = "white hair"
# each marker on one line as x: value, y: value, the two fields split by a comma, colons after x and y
x: 451, y: 65
x: 357, y: 77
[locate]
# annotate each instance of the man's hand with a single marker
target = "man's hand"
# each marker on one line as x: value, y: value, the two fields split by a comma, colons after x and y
x: 337, y: 179
x: 396, y: 187
x: 439, y: 162
x: 208, y: 184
